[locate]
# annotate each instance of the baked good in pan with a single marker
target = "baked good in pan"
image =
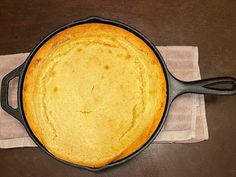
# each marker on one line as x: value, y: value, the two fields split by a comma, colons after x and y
x: 94, y: 93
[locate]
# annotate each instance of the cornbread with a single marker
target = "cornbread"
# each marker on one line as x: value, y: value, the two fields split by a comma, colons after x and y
x: 94, y: 93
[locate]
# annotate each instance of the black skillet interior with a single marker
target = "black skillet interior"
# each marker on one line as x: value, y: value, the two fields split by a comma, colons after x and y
x: 175, y: 87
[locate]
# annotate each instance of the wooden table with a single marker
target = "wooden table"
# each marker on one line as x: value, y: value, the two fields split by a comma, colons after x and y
x: 210, y: 25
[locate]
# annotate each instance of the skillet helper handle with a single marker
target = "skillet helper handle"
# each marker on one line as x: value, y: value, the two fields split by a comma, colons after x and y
x: 205, y: 86
x: 15, y: 112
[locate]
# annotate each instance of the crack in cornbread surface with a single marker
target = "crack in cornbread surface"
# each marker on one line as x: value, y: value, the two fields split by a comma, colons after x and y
x: 93, y: 94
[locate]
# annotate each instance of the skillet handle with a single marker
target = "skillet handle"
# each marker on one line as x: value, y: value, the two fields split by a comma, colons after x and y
x: 15, y: 112
x: 205, y: 86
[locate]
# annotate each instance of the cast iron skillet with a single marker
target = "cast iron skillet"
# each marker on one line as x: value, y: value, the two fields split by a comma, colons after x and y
x: 175, y: 88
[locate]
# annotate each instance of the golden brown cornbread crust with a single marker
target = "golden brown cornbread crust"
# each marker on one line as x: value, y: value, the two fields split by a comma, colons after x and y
x: 93, y: 94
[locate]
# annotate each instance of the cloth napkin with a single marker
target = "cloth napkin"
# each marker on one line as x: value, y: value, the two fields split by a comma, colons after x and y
x: 186, y: 122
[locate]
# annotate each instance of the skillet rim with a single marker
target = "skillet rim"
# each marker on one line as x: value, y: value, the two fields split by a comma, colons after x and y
x: 95, y: 19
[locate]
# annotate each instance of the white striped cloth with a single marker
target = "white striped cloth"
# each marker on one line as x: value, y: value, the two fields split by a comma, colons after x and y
x: 186, y: 122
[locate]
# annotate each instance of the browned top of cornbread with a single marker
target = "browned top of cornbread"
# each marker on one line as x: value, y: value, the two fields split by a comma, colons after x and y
x: 94, y: 93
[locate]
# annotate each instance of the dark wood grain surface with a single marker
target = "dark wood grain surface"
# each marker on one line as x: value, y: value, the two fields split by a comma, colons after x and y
x: 210, y: 25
